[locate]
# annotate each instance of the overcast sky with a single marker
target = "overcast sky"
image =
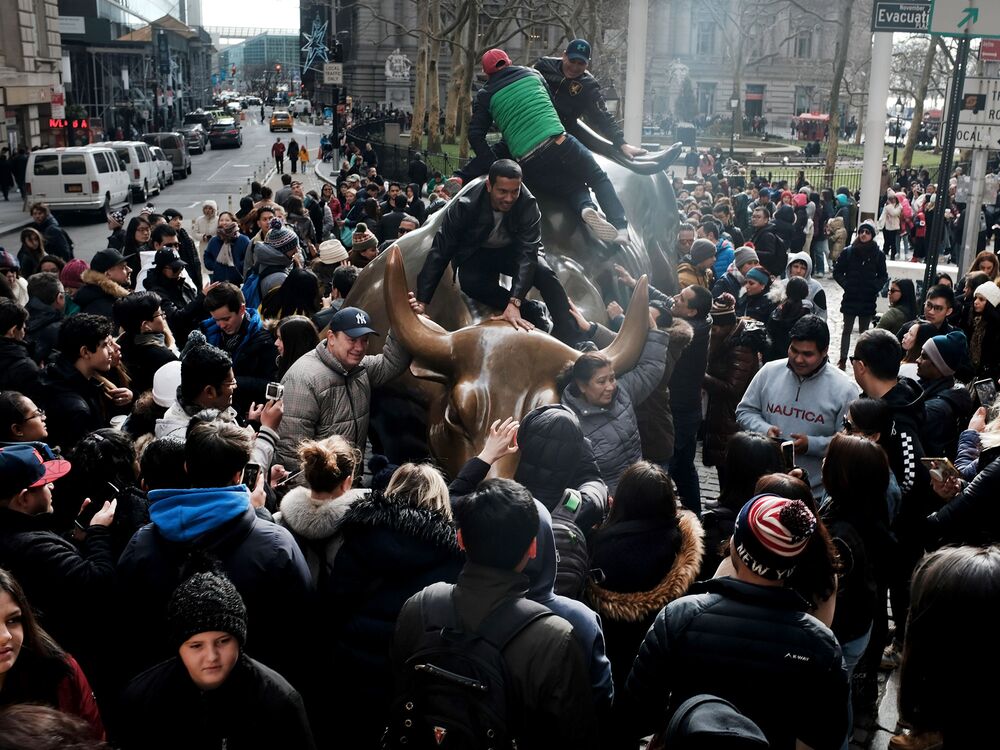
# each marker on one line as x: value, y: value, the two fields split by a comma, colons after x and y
x: 277, y: 14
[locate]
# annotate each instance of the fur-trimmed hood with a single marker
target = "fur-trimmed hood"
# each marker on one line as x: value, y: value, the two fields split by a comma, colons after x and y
x: 398, y: 514
x: 638, y: 605
x: 315, y: 519
x: 681, y: 335
x: 102, y: 282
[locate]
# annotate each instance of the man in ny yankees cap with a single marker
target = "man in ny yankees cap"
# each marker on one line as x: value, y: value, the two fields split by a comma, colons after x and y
x: 328, y: 390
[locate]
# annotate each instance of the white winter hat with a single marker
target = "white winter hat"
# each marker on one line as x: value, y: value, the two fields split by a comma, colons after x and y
x: 332, y: 251
x: 990, y: 292
x: 166, y: 381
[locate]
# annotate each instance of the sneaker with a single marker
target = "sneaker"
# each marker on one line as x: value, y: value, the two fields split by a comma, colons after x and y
x: 622, y: 238
x: 601, y: 229
x: 891, y: 656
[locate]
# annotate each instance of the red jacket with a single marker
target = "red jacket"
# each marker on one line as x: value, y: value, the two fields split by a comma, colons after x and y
x: 278, y: 149
x: 74, y: 696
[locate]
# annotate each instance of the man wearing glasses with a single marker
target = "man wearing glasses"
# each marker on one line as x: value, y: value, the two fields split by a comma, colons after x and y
x: 860, y: 271
x: 937, y: 309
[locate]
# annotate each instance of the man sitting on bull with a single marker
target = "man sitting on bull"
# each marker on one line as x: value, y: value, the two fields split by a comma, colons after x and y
x: 492, y: 229
x: 517, y: 99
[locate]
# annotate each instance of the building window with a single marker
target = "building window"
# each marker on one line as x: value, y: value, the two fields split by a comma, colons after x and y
x: 804, y: 45
x: 803, y: 99
x: 706, y: 98
x: 706, y: 38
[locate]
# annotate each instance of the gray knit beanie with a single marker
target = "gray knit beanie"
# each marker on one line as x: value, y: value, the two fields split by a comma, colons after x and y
x: 206, y: 602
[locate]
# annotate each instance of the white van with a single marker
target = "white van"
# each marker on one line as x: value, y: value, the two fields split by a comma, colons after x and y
x: 141, y: 166
x: 78, y: 178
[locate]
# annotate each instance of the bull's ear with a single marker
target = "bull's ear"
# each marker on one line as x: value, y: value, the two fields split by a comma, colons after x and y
x: 425, y: 373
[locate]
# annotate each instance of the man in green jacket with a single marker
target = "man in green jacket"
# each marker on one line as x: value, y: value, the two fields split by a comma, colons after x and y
x: 517, y: 99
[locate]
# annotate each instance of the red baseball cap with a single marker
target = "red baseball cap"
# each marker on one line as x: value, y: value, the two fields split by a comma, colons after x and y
x: 493, y: 60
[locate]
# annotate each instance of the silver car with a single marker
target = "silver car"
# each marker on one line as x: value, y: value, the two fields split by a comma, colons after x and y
x: 164, y: 166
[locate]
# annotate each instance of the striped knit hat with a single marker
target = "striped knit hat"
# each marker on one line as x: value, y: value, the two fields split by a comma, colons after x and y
x: 770, y: 533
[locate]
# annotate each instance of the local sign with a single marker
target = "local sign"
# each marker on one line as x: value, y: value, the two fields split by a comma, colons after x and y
x: 333, y: 74
x: 972, y: 18
x: 913, y: 16
x: 979, y: 118
x: 977, y: 136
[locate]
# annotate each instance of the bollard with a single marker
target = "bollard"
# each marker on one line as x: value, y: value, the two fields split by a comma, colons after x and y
x: 230, y: 202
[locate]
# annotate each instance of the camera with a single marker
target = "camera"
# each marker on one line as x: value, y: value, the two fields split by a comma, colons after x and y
x: 274, y: 391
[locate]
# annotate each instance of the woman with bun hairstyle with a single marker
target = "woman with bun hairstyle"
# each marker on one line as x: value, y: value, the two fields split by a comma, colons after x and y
x: 211, y: 694
x: 395, y: 544
x: 33, y: 668
x: 314, y: 512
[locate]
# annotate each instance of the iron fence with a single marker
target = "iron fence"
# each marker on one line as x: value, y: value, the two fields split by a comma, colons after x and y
x: 394, y: 160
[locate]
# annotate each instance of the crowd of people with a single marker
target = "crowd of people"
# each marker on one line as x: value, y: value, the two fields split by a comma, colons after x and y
x: 184, y: 423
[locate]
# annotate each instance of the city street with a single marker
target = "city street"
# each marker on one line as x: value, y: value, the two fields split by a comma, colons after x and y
x: 222, y: 175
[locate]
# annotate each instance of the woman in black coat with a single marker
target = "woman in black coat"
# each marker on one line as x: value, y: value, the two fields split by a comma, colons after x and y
x: 860, y: 271
x: 394, y: 545
x: 648, y: 554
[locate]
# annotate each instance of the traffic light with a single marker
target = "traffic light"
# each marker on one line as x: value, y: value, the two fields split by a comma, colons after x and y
x: 337, y: 53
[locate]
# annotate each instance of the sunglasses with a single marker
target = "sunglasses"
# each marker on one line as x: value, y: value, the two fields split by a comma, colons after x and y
x: 866, y: 231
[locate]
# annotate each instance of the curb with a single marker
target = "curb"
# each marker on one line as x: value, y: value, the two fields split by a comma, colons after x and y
x: 8, y: 228
x: 323, y: 178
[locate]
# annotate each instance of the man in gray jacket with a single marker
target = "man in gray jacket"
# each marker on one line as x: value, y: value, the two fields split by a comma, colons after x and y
x: 328, y: 390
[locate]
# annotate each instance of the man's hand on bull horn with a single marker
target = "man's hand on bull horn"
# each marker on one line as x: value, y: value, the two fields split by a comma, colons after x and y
x: 418, y: 307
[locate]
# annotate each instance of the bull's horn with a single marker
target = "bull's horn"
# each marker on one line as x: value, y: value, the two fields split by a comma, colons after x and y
x: 432, y: 347
x: 624, y: 351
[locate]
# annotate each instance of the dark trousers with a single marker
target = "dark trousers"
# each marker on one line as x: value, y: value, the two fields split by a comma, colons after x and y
x: 682, y: 469
x: 479, y: 277
x: 569, y: 169
x: 295, y: 163
x: 279, y: 163
x: 891, y: 242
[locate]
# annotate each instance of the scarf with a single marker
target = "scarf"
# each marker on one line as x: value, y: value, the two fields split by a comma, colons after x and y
x: 227, y: 234
x: 976, y: 344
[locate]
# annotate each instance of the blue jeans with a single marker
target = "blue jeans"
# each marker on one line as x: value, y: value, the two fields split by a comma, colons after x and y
x: 570, y: 170
x: 682, y: 469
x: 853, y: 651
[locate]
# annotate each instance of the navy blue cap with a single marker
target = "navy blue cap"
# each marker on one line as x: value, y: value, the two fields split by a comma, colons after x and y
x: 353, y: 321
x: 578, y: 49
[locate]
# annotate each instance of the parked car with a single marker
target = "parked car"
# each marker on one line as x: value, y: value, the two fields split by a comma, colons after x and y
x: 300, y: 107
x: 225, y: 132
x: 142, y: 169
x: 79, y: 178
x: 281, y: 120
x: 233, y: 108
x: 195, y: 138
x: 175, y: 147
x: 164, y: 168
x: 199, y: 117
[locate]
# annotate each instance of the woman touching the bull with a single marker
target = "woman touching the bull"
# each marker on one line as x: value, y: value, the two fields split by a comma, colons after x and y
x: 605, y: 403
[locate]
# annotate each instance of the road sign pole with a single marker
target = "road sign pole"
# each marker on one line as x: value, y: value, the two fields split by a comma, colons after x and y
x: 878, y: 92
x: 947, y: 157
x: 977, y: 171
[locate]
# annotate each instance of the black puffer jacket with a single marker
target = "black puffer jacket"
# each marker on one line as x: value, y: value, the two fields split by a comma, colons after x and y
x: 18, y: 370
x: 43, y: 328
x: 55, y: 240
x: 162, y: 709
x: 860, y: 271
x: 183, y: 306
x: 73, y: 404
x: 71, y: 589
x: 98, y: 294
x: 392, y: 549
x: 754, y: 646
x: 555, y: 456
x: 784, y: 227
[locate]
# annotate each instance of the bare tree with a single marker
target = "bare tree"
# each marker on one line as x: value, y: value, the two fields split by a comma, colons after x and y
x: 839, y: 64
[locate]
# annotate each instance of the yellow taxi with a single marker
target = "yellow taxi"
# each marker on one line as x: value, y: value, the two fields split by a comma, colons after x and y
x: 281, y: 121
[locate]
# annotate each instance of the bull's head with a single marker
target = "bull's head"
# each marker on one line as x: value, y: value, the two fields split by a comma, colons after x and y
x: 490, y: 370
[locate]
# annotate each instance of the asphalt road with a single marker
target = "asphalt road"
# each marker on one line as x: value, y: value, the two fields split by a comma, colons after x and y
x: 222, y: 175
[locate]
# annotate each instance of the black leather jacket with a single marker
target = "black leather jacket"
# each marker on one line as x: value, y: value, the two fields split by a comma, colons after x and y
x: 576, y: 98
x: 468, y: 222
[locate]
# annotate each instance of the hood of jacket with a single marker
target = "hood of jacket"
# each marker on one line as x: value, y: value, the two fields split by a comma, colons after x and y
x: 802, y: 258
x: 214, y: 334
x: 185, y: 515
x: 785, y: 214
x: 97, y: 285
x: 551, y: 445
x: 906, y: 401
x: 397, y: 514
x: 40, y: 315
x: 638, y: 605
x: 315, y: 519
x: 267, y: 257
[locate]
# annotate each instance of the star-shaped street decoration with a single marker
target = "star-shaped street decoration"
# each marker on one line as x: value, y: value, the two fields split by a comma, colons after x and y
x: 315, y: 46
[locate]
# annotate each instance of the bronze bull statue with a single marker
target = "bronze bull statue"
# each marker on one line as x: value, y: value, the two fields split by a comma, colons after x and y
x: 490, y: 370
x: 404, y: 410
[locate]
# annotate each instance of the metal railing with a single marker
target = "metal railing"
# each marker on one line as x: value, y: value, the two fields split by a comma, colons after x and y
x: 394, y: 160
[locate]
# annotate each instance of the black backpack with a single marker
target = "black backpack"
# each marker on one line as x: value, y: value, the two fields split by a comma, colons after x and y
x: 572, y: 552
x: 455, y: 690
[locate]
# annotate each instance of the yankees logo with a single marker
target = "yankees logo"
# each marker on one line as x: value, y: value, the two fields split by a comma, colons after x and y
x: 362, y: 320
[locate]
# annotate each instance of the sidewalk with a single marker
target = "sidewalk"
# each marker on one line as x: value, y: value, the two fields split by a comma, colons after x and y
x: 12, y: 218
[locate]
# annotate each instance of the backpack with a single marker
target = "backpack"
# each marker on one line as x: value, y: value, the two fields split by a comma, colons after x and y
x: 572, y: 552
x: 69, y: 243
x: 251, y: 290
x: 454, y: 691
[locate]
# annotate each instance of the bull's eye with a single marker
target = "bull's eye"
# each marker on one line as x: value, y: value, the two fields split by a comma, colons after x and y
x: 453, y: 418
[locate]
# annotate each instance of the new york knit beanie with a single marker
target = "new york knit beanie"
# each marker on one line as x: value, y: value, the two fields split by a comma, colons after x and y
x: 770, y: 534
x: 207, y: 602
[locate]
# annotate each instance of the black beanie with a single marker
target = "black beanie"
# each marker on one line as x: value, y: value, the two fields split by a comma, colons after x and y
x: 206, y: 602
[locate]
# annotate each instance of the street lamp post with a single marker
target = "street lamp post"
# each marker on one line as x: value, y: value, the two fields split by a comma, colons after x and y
x: 895, y: 146
x: 734, y: 104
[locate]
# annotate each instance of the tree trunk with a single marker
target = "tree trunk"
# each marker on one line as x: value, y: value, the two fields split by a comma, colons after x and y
x: 737, y: 113
x: 433, y: 78
x: 420, y: 95
x: 470, y: 52
x: 839, y: 63
x: 458, y: 58
x: 918, y: 108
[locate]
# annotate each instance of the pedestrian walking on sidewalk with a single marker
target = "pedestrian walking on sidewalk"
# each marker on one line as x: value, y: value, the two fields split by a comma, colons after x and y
x: 293, y: 154
x: 278, y: 152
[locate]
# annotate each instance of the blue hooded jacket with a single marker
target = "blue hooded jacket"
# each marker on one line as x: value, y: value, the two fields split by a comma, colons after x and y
x: 184, y: 515
x: 541, y: 572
